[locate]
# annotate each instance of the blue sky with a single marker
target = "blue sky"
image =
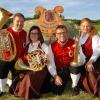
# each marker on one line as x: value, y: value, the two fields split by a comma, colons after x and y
x: 75, y: 9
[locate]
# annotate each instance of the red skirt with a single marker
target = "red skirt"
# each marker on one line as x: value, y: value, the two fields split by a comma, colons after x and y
x: 91, y: 80
x: 28, y: 84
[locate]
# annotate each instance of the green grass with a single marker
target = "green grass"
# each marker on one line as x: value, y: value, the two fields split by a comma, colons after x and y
x: 67, y: 95
x: 97, y: 27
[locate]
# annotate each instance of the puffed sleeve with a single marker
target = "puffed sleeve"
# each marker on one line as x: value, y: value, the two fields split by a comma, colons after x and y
x: 45, y: 48
x: 51, y: 67
x: 96, y: 48
x: 81, y: 56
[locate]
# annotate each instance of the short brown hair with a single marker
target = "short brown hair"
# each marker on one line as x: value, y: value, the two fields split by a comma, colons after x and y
x: 62, y: 27
x: 19, y: 15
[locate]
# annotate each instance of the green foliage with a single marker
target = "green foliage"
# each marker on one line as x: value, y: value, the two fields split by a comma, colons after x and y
x: 28, y: 18
x: 36, y: 16
x: 72, y: 28
x: 7, y: 24
x: 97, y: 25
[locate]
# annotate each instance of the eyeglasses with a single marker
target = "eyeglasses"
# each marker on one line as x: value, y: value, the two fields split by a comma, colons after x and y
x: 60, y: 33
x: 33, y: 33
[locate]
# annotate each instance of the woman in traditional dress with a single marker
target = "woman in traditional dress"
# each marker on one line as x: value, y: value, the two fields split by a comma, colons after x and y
x: 28, y: 83
x: 90, y: 41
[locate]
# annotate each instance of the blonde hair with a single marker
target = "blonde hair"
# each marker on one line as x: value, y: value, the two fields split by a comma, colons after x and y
x: 87, y: 20
x: 93, y: 29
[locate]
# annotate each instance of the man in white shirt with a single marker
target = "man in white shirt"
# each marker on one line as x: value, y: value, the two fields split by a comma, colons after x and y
x: 62, y: 52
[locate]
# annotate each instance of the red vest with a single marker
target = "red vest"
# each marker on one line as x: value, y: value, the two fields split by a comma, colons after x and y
x: 20, y: 40
x: 63, y: 55
x: 24, y: 58
x: 87, y: 47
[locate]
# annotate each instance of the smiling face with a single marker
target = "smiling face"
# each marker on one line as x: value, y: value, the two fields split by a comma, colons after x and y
x: 61, y: 35
x: 85, y: 27
x: 34, y: 35
x: 18, y: 23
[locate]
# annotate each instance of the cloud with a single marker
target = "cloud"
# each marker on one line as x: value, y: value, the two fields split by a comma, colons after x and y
x: 73, y: 8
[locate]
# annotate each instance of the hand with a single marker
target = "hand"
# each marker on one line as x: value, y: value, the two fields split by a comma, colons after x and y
x: 46, y: 56
x: 58, y: 80
x: 21, y: 76
x: 26, y: 56
x: 89, y: 66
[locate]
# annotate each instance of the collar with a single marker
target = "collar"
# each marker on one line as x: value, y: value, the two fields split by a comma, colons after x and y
x: 33, y: 46
x: 84, y: 38
x: 15, y: 30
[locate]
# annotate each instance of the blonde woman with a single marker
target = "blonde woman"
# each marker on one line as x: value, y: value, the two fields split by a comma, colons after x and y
x: 89, y: 41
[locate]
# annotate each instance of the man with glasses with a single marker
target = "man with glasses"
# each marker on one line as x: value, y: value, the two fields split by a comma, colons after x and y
x: 62, y: 51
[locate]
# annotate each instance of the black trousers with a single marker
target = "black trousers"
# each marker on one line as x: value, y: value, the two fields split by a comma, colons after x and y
x: 65, y: 75
x: 5, y: 67
x: 75, y: 70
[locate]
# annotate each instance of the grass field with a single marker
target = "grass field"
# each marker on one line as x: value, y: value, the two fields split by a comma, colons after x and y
x: 67, y: 95
x: 50, y: 96
x: 98, y: 27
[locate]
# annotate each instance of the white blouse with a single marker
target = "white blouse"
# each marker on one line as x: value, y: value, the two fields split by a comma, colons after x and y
x: 34, y: 46
x: 51, y: 67
x: 95, y: 44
